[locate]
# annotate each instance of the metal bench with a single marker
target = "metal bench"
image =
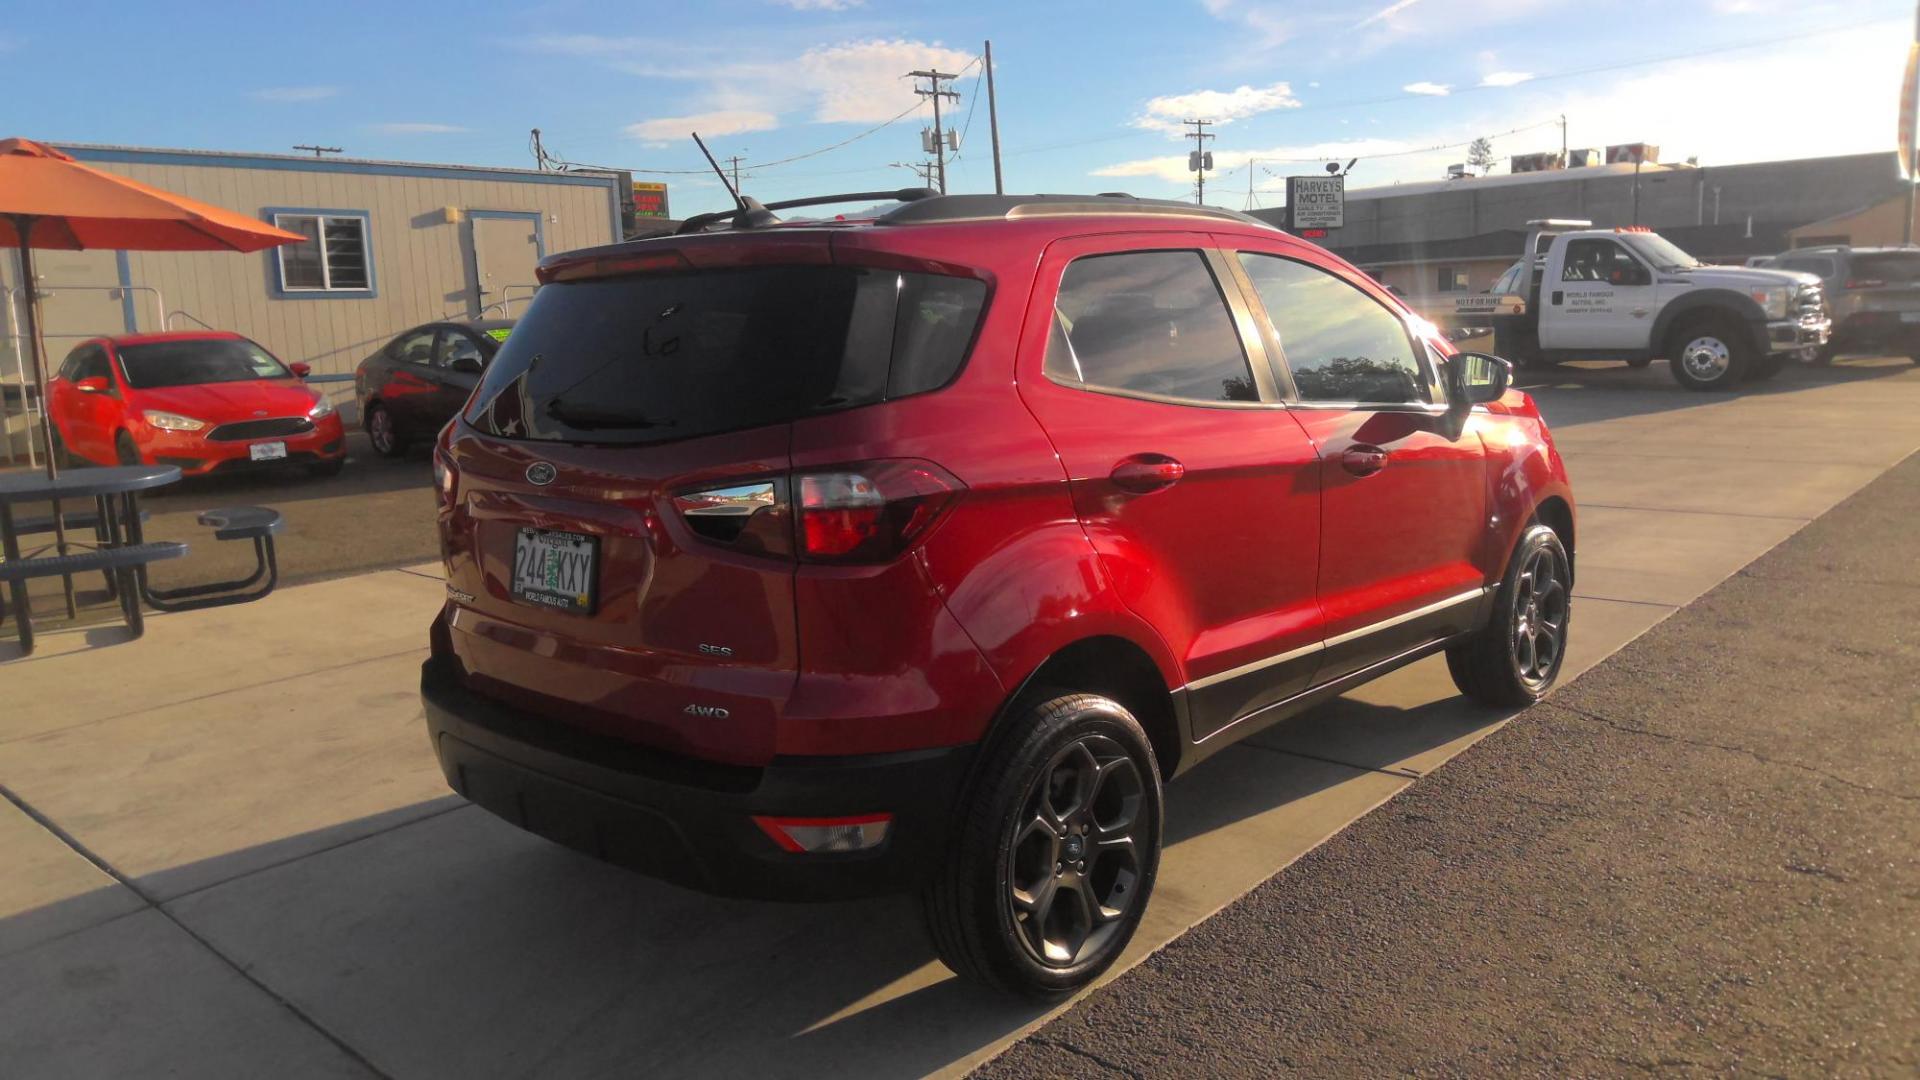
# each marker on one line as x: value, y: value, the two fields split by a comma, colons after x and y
x: 126, y: 563
x: 256, y: 523
x: 77, y: 520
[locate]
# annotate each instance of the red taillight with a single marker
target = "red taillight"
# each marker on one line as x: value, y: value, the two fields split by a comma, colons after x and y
x: 1864, y: 283
x: 446, y: 478
x: 870, y: 512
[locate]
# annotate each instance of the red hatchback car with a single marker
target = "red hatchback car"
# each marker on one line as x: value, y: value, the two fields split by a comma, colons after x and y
x: 917, y: 553
x: 204, y: 401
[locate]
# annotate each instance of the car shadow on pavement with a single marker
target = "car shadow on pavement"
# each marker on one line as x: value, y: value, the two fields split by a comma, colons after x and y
x: 436, y: 939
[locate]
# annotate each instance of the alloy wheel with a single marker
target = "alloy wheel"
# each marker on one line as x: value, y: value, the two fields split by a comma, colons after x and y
x: 1540, y: 607
x: 380, y: 431
x: 1074, y: 865
x: 1706, y: 358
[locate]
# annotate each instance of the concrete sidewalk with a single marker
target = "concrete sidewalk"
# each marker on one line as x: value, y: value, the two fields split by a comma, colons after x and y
x: 240, y: 858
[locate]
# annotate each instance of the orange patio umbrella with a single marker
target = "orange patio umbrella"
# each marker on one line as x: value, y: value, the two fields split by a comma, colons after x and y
x: 50, y: 201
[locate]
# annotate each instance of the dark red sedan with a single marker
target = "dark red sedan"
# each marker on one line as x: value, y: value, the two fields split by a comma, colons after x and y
x: 202, y: 400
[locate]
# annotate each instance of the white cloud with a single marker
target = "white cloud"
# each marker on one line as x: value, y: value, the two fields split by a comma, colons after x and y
x: 1222, y: 106
x: 1386, y: 13
x: 1506, y: 78
x: 1430, y: 89
x: 1269, y: 23
x: 820, y: 5
x: 295, y: 94
x: 414, y: 127
x: 668, y: 129
x: 863, y: 82
x: 855, y: 82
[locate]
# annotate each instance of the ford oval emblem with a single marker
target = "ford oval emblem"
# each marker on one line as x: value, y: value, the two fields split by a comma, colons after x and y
x: 541, y: 473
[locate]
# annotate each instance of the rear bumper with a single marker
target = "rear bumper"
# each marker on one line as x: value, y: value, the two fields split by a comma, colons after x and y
x: 686, y: 821
x: 1878, y: 330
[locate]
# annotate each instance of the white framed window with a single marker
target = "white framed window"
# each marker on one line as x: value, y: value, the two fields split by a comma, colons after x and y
x: 1451, y: 279
x: 335, y: 259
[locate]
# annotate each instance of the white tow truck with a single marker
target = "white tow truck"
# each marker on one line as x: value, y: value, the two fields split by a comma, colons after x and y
x: 1581, y: 293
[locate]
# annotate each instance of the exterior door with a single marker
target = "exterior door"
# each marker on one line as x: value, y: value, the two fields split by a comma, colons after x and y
x: 506, y: 248
x: 1403, y: 504
x: 1196, y: 486
x: 89, y: 418
x: 1600, y: 296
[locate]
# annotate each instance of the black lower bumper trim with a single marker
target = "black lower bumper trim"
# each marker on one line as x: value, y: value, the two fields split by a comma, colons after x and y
x: 628, y: 806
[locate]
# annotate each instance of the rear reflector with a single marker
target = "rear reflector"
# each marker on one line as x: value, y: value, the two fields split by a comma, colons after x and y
x: 819, y: 836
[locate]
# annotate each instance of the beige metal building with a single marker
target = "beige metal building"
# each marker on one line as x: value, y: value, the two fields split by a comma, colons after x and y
x: 391, y: 244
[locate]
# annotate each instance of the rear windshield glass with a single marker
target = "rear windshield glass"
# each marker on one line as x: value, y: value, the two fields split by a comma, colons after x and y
x: 182, y: 363
x: 1901, y: 266
x: 657, y: 357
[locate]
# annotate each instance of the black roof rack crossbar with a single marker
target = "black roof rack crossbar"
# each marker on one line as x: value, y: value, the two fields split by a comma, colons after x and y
x: 754, y: 214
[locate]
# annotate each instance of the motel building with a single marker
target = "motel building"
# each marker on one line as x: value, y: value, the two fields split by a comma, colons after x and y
x: 389, y: 245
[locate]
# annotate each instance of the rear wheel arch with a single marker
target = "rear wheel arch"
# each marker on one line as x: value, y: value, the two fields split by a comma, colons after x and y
x: 1112, y: 667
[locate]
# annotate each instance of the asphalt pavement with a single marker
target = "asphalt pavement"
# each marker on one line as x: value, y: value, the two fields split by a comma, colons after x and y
x: 1703, y: 856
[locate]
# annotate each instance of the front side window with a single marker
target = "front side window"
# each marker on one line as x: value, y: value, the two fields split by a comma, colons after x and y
x: 1341, y: 344
x: 1602, y: 261
x: 457, y: 347
x: 187, y: 363
x: 332, y: 258
x: 1148, y: 322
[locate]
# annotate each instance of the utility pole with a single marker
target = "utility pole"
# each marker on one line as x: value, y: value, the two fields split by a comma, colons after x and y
x: 934, y: 77
x: 993, y: 122
x: 318, y: 150
x: 734, y: 162
x: 1199, y: 160
x: 539, y: 152
x: 921, y: 169
x: 1563, y: 141
x: 1910, y: 114
x: 1250, y: 172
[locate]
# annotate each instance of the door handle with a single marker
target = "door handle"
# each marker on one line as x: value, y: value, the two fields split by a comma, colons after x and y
x: 1143, y: 473
x: 1558, y: 295
x: 1363, y: 460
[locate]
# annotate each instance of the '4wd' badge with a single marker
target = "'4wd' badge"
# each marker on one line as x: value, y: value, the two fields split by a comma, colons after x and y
x: 710, y: 712
x: 541, y: 473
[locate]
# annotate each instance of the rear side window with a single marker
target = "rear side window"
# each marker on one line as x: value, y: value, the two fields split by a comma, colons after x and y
x: 652, y: 358
x: 1340, y: 344
x: 1901, y: 267
x: 1820, y: 267
x: 1148, y: 322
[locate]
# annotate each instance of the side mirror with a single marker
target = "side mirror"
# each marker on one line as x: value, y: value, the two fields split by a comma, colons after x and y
x: 466, y: 365
x: 300, y: 370
x: 93, y: 384
x: 1479, y: 378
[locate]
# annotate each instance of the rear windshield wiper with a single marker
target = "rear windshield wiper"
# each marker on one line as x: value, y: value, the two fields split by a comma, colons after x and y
x: 590, y: 419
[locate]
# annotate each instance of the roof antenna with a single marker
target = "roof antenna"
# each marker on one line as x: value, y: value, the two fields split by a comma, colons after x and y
x: 739, y: 203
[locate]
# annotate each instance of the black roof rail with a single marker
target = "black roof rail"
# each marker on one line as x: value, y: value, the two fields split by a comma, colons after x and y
x: 948, y: 208
x: 753, y: 214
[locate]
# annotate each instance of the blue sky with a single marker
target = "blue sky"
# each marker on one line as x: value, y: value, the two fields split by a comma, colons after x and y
x: 1090, y: 93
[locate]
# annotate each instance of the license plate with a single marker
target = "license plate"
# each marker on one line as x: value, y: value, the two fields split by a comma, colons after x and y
x: 267, y: 451
x: 556, y: 569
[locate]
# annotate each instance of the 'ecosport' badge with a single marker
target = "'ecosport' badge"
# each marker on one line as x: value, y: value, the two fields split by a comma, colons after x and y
x: 541, y: 473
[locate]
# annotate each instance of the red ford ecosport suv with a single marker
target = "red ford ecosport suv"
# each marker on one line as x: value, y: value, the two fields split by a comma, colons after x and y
x: 820, y: 559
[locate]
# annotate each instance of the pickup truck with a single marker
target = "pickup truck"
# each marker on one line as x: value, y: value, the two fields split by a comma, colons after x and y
x: 1580, y: 293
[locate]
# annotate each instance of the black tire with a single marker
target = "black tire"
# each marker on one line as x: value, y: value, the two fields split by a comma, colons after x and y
x: 1824, y: 355
x: 383, y: 433
x: 1071, y: 768
x: 1766, y: 367
x: 1493, y: 666
x: 1639, y: 362
x: 1709, y: 352
x: 327, y: 468
x: 124, y: 450
x: 62, y: 456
